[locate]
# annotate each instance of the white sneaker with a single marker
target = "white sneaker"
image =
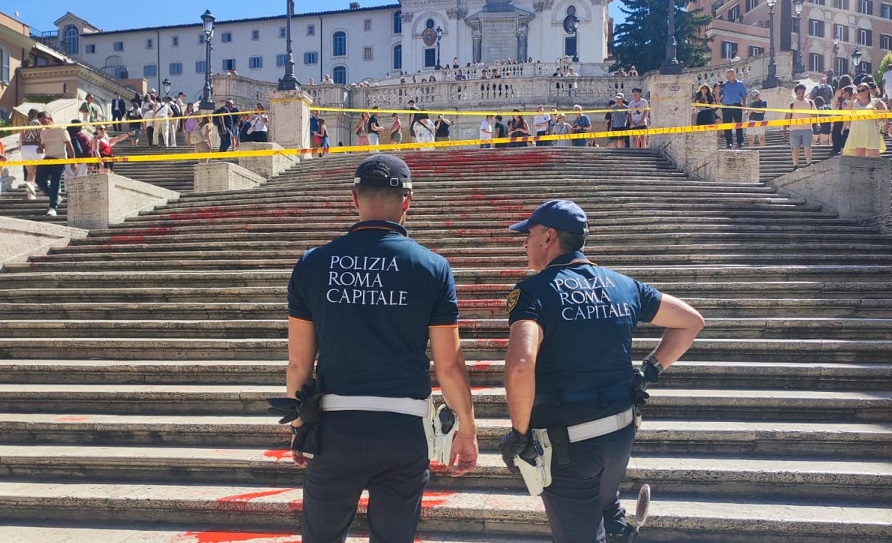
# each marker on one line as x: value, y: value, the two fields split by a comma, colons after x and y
x: 51, y: 212
x: 31, y: 193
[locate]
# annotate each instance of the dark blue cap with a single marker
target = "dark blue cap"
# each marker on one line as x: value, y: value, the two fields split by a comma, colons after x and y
x: 562, y: 215
x: 381, y: 170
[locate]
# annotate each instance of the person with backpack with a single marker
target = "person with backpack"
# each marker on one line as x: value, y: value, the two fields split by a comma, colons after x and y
x: 822, y: 90
x: 756, y: 114
x: 163, y: 124
x: 800, y: 134
x: 55, y: 142
x: 83, y: 147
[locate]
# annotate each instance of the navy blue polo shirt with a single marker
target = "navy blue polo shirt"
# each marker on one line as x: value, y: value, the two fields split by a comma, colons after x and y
x: 588, y: 314
x: 372, y: 294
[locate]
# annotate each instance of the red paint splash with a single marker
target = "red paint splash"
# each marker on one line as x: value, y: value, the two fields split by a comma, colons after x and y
x: 72, y: 419
x: 428, y: 500
x: 239, y: 502
x: 278, y: 454
x: 210, y: 536
x: 435, y: 499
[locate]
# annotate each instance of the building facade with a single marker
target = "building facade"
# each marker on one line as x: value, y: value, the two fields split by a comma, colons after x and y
x: 350, y: 45
x: 828, y: 31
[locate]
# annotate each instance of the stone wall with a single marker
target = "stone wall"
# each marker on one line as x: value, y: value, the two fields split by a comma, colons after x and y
x: 21, y: 239
x: 857, y: 188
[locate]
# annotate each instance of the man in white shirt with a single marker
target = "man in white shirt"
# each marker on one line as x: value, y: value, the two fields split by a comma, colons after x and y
x: 486, y: 132
x: 540, y: 125
x: 887, y: 81
x: 162, y: 122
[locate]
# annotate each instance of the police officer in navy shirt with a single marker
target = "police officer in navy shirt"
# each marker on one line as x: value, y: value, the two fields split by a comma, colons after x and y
x: 366, y: 305
x: 569, y: 366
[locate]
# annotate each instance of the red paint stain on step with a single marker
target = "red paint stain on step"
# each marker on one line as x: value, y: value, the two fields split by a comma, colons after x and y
x: 239, y: 502
x: 278, y: 454
x: 72, y: 418
x: 428, y: 500
x: 435, y: 499
x: 211, y: 536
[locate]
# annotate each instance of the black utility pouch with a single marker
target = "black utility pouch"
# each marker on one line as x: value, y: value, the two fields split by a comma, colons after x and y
x: 561, y: 454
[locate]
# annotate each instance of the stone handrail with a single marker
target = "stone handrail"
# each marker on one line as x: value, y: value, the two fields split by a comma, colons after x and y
x: 751, y: 71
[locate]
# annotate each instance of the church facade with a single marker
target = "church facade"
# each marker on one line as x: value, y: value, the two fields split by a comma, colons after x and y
x: 351, y: 45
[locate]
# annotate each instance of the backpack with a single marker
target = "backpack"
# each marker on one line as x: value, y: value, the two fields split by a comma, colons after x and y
x: 79, y: 151
x: 175, y: 110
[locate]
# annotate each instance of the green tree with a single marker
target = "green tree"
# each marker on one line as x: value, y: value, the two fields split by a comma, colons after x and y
x: 881, y: 69
x: 641, y: 39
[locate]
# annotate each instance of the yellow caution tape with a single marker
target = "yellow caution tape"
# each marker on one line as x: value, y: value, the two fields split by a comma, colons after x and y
x: 445, y: 144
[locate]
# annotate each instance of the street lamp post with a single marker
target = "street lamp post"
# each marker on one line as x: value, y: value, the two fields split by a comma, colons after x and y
x: 799, y: 67
x: 439, y: 37
x: 289, y: 81
x: 856, y: 64
x: 166, y: 86
x: 671, y: 65
x: 771, y: 81
x: 207, y: 20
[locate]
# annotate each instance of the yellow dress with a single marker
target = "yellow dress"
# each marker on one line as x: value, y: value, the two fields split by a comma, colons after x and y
x: 864, y: 134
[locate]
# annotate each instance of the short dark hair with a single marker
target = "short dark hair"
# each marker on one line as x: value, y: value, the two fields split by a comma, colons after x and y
x: 571, y: 242
x: 636, y: 89
x: 799, y: 86
x: 381, y: 192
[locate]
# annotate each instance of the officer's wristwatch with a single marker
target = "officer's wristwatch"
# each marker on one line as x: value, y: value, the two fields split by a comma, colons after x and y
x: 651, y: 368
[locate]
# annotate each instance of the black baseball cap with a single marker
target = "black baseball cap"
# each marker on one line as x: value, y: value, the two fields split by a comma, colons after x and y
x: 380, y: 170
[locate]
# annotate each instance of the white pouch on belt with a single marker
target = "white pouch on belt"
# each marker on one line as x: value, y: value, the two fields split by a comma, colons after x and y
x: 439, y: 429
x: 539, y: 476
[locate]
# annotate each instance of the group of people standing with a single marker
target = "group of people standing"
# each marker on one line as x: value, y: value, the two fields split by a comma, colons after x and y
x: 43, y: 139
x: 855, y: 137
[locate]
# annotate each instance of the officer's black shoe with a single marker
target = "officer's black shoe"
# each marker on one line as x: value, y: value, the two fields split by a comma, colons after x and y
x: 629, y: 535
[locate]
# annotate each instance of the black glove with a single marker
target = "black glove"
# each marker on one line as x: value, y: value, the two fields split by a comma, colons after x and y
x: 516, y: 444
x: 305, y: 405
x: 639, y: 389
x: 651, y: 369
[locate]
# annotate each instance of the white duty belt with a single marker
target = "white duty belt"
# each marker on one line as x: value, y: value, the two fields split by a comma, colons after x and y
x: 439, y: 444
x: 405, y: 406
x: 600, y: 427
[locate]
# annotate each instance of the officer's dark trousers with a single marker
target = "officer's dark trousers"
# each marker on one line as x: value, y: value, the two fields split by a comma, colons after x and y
x: 385, y: 453
x: 585, y: 493
x: 733, y: 115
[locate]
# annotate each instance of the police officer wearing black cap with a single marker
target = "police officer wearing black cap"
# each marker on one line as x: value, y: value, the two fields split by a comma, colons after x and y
x: 569, y: 370
x: 366, y: 305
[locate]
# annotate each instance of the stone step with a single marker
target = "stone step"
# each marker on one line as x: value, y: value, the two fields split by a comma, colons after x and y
x: 190, y: 262
x: 25, y: 277
x: 213, y: 220
x: 798, y: 375
x: 754, y: 405
x: 459, y: 255
x: 278, y: 193
x: 470, y: 308
x: 717, y: 328
x: 854, y: 481
x: 760, y: 349
x: 40, y: 532
x: 494, y: 513
x: 663, y: 232
x: 592, y: 199
x: 732, y: 437
x: 489, y: 239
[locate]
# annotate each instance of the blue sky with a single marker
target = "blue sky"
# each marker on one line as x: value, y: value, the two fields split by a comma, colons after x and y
x: 40, y: 14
